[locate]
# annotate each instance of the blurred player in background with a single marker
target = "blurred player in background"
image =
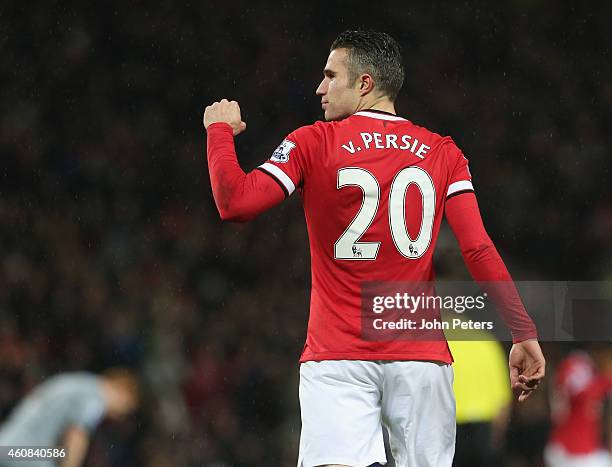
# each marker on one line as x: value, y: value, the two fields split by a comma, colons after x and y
x: 578, y: 398
x: 374, y: 188
x: 64, y: 410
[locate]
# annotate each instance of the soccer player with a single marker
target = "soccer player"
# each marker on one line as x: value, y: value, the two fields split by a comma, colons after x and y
x: 374, y: 188
x: 579, y: 394
x: 64, y: 410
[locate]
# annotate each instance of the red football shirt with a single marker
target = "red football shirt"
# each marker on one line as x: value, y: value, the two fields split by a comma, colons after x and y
x: 373, y: 187
x: 578, y: 405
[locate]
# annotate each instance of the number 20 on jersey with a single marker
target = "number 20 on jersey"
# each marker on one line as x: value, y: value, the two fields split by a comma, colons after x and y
x: 348, y: 246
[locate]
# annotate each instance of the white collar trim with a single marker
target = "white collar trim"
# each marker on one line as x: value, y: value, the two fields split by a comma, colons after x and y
x: 380, y: 116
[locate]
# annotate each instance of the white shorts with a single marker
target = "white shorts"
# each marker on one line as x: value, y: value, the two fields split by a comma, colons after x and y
x: 344, y: 404
x: 556, y: 456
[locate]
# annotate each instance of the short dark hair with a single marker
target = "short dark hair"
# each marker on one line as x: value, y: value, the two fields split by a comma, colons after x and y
x: 374, y: 53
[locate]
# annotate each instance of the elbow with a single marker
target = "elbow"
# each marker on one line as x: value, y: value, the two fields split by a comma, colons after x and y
x: 477, y: 251
x: 235, y: 218
x: 235, y: 215
x: 234, y: 208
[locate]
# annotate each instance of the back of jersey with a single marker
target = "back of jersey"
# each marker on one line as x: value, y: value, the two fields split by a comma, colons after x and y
x: 374, y: 187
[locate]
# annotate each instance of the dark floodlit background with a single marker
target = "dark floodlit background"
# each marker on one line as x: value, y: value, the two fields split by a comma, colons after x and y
x: 112, y: 252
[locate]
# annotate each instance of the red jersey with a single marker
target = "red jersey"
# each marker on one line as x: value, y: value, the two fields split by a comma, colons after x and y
x: 373, y: 188
x: 578, y: 405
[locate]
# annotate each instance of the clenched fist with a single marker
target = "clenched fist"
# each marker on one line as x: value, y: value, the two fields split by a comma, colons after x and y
x: 225, y: 111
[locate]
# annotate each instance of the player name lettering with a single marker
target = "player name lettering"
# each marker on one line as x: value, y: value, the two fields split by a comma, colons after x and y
x: 388, y: 141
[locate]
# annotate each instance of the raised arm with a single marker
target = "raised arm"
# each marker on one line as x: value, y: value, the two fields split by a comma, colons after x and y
x: 239, y: 197
x: 527, y: 365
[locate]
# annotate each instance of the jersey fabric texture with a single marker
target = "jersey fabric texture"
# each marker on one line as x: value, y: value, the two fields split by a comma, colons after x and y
x: 381, y: 146
x: 374, y: 188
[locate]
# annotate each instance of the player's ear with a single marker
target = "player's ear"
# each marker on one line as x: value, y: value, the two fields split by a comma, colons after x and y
x: 366, y: 84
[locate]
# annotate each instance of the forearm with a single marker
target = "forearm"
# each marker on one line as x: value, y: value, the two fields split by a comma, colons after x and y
x: 488, y: 269
x: 238, y: 196
x: 76, y: 442
x: 486, y: 266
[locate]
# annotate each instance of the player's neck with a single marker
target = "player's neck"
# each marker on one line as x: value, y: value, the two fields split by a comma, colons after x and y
x: 382, y: 104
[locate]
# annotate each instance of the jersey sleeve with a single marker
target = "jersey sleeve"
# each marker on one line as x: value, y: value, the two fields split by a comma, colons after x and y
x: 487, y: 267
x: 291, y: 160
x: 89, y: 412
x: 239, y: 197
x: 460, y: 176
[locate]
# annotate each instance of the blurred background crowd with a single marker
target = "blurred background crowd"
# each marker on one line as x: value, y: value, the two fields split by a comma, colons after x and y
x: 111, y: 249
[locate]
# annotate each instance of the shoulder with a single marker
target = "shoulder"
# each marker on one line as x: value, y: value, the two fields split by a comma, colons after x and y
x: 445, y: 146
x: 435, y: 140
x: 74, y: 382
x: 309, y: 133
x: 309, y: 139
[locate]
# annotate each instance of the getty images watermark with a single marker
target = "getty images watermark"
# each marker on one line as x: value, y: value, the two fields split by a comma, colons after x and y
x: 562, y: 311
x: 420, y: 304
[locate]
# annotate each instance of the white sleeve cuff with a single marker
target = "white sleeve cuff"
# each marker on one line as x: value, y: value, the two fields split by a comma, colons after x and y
x: 463, y: 185
x: 281, y: 176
